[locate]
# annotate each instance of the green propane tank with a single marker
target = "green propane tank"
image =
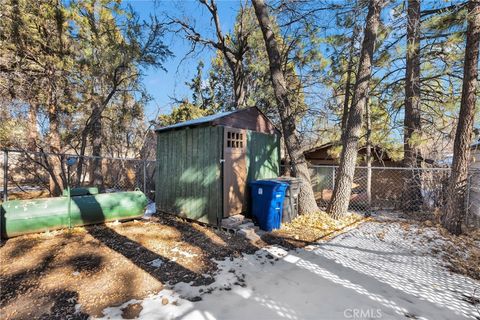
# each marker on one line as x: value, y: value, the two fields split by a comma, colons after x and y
x: 75, y: 192
x: 20, y: 217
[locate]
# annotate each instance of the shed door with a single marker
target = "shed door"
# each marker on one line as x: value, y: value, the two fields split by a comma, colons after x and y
x: 234, y: 171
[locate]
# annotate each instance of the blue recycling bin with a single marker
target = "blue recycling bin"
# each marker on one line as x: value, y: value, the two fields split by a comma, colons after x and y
x: 267, y: 202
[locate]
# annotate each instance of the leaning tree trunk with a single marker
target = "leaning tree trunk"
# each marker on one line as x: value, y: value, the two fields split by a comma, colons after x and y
x: 455, y: 208
x: 338, y: 205
x: 307, y: 203
x: 412, y: 196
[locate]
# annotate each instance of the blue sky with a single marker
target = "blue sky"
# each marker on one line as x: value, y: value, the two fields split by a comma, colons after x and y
x: 163, y: 85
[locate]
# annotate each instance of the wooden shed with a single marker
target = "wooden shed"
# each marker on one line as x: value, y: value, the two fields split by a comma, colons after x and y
x: 204, y: 165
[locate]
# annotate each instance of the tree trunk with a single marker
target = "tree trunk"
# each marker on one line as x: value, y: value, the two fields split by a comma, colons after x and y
x: 239, y: 84
x: 412, y: 197
x: 348, y: 84
x: 233, y: 55
x: 81, y: 158
x: 54, y: 161
x: 368, y: 120
x: 32, y: 127
x: 288, y: 165
x: 96, y: 137
x: 307, y: 203
x: 455, y: 208
x: 338, y: 205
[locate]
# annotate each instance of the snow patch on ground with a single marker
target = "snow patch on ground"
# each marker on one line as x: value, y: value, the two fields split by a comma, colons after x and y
x: 378, y: 270
x: 156, y: 263
x: 184, y: 253
x: 154, y: 307
x: 78, y: 308
x: 150, y: 210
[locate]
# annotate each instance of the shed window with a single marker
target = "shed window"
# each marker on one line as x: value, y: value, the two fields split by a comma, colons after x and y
x: 234, y: 140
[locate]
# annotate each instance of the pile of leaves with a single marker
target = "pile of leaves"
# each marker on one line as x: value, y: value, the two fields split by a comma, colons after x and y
x: 463, y: 252
x: 313, y: 227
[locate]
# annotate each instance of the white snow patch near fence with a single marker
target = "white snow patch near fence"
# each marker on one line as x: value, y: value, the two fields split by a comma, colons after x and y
x: 375, y: 271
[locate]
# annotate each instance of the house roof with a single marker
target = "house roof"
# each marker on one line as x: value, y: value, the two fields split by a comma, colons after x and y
x: 249, y: 118
x: 323, y: 146
x: 377, y: 150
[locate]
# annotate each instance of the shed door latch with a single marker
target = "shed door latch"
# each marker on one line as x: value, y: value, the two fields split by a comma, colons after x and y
x: 222, y: 160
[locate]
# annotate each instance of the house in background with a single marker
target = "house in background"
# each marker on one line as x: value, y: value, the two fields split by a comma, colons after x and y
x: 204, y: 165
x: 386, y: 185
x: 328, y: 154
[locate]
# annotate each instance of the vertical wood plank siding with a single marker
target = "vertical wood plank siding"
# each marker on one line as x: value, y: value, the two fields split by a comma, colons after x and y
x: 263, y: 156
x: 189, y: 182
x: 263, y: 159
x: 188, y: 165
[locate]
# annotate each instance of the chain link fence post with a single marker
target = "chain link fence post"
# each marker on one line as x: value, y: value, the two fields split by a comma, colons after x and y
x: 333, y: 178
x: 145, y: 177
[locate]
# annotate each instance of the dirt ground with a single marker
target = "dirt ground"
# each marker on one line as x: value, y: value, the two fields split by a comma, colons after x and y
x: 76, y: 274
x: 45, y: 276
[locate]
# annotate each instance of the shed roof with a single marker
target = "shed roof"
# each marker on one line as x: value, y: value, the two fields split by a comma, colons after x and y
x: 195, y: 122
x: 241, y: 118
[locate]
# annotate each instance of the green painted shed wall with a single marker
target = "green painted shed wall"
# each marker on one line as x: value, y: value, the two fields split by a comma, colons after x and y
x: 189, y: 170
x: 189, y: 180
x: 263, y: 155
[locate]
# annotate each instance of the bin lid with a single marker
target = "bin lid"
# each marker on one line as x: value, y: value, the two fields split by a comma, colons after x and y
x: 268, y: 182
x: 289, y: 179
